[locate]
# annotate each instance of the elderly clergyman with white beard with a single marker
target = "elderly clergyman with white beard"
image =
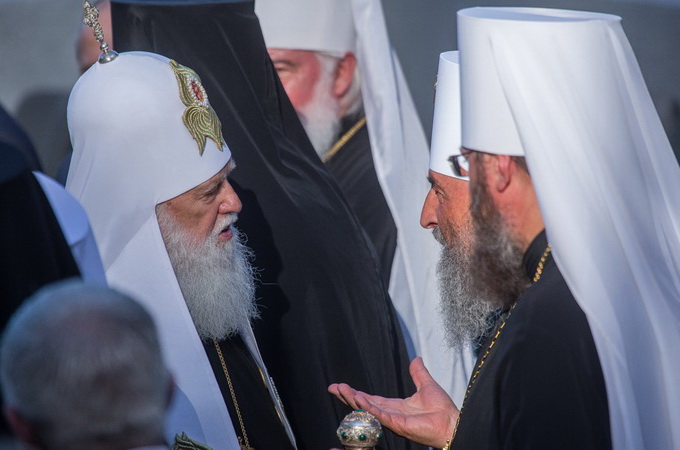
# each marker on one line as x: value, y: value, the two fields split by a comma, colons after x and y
x: 151, y: 168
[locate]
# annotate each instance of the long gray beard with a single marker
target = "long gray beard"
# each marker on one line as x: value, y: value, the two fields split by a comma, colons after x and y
x: 498, y: 274
x: 466, y: 316
x: 320, y: 117
x: 216, y: 279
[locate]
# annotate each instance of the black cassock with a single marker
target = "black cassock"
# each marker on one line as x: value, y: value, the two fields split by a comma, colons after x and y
x: 541, y: 386
x: 33, y: 249
x: 353, y: 169
x: 326, y: 316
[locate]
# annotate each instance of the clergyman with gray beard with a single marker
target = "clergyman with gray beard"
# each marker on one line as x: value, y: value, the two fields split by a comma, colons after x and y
x: 538, y: 382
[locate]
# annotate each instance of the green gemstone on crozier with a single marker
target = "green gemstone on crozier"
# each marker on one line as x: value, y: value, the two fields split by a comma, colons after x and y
x: 379, y: 435
x: 362, y: 437
x: 360, y: 410
x: 343, y: 435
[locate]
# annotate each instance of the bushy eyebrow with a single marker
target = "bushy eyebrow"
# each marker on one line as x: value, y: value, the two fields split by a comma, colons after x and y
x: 283, y: 62
x: 213, y: 188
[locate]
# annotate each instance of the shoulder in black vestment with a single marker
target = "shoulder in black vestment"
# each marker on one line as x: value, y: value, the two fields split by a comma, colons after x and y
x: 541, y: 386
x: 263, y: 427
x: 354, y: 171
x: 33, y: 249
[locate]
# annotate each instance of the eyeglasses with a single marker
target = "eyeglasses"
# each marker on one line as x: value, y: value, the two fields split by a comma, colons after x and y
x: 460, y: 165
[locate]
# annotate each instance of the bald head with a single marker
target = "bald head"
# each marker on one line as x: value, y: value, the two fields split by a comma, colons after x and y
x: 81, y: 368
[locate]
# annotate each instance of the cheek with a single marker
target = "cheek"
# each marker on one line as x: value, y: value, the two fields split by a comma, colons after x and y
x: 299, y: 92
x: 299, y: 86
x: 201, y: 221
x: 458, y: 208
x: 209, y: 221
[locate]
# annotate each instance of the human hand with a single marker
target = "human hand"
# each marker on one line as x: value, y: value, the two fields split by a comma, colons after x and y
x: 428, y: 417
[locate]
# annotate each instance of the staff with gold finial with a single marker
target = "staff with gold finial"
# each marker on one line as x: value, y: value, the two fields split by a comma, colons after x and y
x: 91, y: 20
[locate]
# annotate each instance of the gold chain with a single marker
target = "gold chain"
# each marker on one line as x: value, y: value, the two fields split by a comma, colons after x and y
x: 343, y: 140
x: 539, y: 269
x: 537, y: 276
x: 246, y: 444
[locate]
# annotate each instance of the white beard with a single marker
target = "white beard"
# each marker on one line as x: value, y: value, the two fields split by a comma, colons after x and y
x: 216, y: 279
x: 320, y: 116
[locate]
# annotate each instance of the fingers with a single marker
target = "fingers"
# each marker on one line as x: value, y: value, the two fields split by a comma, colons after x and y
x: 344, y: 393
x: 363, y: 402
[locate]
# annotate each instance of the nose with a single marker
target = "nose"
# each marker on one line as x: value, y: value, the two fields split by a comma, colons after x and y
x: 229, y: 200
x: 428, y: 216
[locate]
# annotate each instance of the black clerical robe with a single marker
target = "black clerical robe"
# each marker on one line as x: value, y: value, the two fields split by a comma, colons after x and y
x: 33, y: 249
x: 353, y: 168
x: 541, y: 386
x: 259, y: 421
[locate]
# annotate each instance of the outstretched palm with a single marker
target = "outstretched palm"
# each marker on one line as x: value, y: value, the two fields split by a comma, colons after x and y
x: 427, y: 417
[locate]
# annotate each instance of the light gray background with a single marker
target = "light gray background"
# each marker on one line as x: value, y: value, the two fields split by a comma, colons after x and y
x: 37, y: 51
x: 421, y: 29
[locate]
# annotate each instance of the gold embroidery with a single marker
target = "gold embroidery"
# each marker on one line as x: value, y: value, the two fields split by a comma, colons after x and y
x: 199, y: 117
x: 184, y: 442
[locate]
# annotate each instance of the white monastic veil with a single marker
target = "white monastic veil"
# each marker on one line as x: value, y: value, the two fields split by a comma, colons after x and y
x: 608, y: 186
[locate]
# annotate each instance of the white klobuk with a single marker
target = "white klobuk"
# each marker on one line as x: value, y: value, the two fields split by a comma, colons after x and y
x: 132, y: 151
x: 400, y: 155
x: 564, y: 89
x: 446, y: 120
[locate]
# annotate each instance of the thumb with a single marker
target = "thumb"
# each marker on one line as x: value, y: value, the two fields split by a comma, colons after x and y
x: 419, y: 373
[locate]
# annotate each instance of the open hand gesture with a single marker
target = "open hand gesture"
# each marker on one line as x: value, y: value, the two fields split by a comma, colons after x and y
x: 428, y: 417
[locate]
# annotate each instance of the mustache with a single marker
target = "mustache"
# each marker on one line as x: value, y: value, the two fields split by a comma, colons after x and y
x: 439, y: 236
x: 225, y: 222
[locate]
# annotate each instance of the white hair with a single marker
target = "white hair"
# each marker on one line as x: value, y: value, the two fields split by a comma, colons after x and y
x: 82, y: 364
x: 320, y: 117
x: 216, y: 279
x: 352, y: 100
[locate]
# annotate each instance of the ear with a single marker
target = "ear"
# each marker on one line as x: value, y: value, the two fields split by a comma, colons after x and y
x: 21, y: 427
x: 504, y: 170
x: 344, y: 74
